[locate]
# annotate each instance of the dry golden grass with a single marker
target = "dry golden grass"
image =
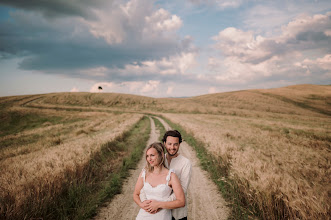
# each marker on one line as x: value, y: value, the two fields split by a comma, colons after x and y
x: 103, y: 101
x: 53, y: 149
x: 315, y: 95
x: 275, y: 142
x: 279, y: 163
x: 288, y: 100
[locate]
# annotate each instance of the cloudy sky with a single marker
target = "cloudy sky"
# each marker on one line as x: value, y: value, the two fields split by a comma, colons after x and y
x: 172, y: 48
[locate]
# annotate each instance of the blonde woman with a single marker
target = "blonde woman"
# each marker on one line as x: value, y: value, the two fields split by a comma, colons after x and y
x: 158, y: 182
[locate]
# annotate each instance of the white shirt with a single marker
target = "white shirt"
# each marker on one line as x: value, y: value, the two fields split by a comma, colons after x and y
x: 183, y: 169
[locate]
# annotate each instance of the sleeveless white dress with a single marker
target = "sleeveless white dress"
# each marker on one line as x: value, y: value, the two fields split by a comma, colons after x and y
x: 160, y: 192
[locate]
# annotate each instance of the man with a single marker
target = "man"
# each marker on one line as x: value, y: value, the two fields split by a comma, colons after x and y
x: 183, y: 169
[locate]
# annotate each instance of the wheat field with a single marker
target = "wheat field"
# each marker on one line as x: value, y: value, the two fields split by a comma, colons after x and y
x: 53, y: 144
x: 275, y: 143
x: 270, y: 160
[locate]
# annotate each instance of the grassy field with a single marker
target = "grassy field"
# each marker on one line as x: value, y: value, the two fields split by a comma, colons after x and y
x: 42, y: 150
x: 284, y: 171
x: 273, y: 145
x: 277, y: 155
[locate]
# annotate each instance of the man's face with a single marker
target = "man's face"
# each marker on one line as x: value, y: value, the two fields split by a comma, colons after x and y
x: 172, y: 145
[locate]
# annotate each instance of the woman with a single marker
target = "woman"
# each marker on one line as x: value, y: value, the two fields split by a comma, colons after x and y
x: 158, y: 183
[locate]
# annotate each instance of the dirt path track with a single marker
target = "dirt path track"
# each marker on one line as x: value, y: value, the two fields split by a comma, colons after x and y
x: 204, y: 200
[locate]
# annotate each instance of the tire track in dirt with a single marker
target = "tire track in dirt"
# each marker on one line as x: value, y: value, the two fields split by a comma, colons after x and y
x: 204, y: 199
x: 122, y: 205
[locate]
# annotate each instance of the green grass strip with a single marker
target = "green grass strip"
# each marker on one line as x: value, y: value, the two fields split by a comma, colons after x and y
x: 159, y: 126
x: 134, y: 141
x: 219, y: 173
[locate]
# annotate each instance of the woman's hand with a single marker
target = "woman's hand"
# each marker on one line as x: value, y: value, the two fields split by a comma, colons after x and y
x: 144, y: 205
x: 153, y: 206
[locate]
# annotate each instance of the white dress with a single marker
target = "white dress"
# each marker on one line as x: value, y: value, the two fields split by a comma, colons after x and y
x: 160, y: 192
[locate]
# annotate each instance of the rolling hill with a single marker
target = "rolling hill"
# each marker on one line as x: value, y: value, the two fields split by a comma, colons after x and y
x: 273, y: 144
x: 298, y: 99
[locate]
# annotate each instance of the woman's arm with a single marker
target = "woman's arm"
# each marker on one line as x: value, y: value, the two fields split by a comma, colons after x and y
x: 136, y: 193
x: 179, y: 193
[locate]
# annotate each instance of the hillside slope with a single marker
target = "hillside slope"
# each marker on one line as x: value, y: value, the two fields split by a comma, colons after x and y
x: 311, y: 100
x: 272, y: 144
x: 300, y: 99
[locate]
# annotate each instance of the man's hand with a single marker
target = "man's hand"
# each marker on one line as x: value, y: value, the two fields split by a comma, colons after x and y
x: 153, y: 206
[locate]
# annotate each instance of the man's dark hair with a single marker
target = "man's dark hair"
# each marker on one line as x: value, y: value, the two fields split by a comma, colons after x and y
x: 172, y: 133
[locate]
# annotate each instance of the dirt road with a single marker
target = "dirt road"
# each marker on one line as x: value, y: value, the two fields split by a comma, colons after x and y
x: 204, y: 200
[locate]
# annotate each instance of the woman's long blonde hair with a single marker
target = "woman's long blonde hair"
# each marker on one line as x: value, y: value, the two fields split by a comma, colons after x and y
x: 159, y: 147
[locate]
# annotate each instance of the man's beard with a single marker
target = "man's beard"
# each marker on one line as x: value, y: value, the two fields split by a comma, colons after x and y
x: 172, y: 154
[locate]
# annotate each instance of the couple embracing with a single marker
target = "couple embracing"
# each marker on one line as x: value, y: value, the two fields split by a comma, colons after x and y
x: 161, y: 187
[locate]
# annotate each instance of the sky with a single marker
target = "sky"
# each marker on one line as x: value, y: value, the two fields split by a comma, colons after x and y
x: 162, y: 48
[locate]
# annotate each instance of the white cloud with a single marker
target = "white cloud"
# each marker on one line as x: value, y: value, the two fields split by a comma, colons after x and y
x: 136, y: 19
x: 246, y: 57
x: 112, y: 21
x: 185, y: 62
x: 74, y: 89
x: 278, y: 13
x: 305, y: 25
x: 121, y: 32
x: 170, y: 90
x: 241, y: 44
x: 178, y: 64
x: 109, y: 29
x: 150, y: 87
x: 322, y: 64
x: 155, y: 88
x: 222, y: 4
x: 131, y: 86
x: 228, y: 3
x: 161, y: 21
x: 273, y: 18
x: 212, y: 90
